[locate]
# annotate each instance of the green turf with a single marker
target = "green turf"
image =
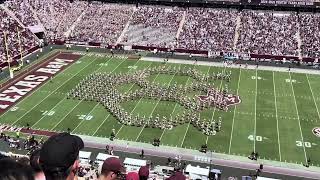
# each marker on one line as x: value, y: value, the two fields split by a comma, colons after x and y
x: 275, y: 118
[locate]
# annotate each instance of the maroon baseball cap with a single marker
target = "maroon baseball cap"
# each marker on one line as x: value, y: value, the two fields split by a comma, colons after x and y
x: 132, y: 176
x: 112, y: 164
x: 177, y: 176
x: 144, y: 171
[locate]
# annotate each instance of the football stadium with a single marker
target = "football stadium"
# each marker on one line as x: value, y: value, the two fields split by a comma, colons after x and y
x: 205, y: 85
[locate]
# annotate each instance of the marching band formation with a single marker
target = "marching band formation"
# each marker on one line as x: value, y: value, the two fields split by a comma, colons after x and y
x: 102, y: 87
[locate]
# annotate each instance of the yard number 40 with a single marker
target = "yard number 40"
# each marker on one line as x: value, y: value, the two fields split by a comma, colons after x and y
x: 306, y: 144
x: 85, y: 117
x: 258, y: 138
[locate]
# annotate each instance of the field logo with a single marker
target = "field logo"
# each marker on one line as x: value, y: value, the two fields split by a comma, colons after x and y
x: 214, y: 95
x: 316, y: 131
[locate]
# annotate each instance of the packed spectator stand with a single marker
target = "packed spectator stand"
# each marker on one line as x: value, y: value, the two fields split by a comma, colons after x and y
x: 153, y: 26
x: 275, y: 33
x: 12, y: 35
x: 206, y: 29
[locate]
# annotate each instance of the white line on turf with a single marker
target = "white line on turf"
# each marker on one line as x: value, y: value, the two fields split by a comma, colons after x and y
x: 154, y: 108
x: 109, y: 113
x: 44, y: 97
x: 29, y: 95
x: 134, y: 108
x: 234, y: 113
x: 97, y: 102
x: 82, y: 99
x: 55, y: 91
x: 313, y: 97
x: 275, y: 103
x: 172, y: 112
x: 86, y: 115
x: 214, y: 110
x: 185, y: 134
x: 295, y: 102
x: 255, y: 113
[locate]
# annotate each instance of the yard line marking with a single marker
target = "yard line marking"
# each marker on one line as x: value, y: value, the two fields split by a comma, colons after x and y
x: 172, y: 112
x: 214, y: 110
x: 155, y: 107
x: 314, y: 100
x: 275, y: 102
x: 82, y: 99
x: 255, y: 113
x: 65, y: 116
x: 135, y: 107
x: 234, y: 113
x: 295, y: 102
x: 98, y: 102
x: 46, y: 96
x: 57, y: 89
x: 29, y: 95
x: 86, y: 115
x: 185, y: 134
x: 109, y: 113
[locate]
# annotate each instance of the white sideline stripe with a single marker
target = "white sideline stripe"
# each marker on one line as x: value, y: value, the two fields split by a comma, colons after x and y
x: 98, y: 102
x: 255, y: 113
x: 185, y: 134
x: 109, y: 113
x: 26, y: 97
x: 173, y: 111
x: 234, y: 113
x: 82, y: 99
x: 314, y: 100
x: 55, y: 91
x: 137, y: 102
x: 155, y: 107
x: 135, y: 107
x: 295, y: 102
x: 275, y: 102
x: 45, y: 97
x: 214, y: 110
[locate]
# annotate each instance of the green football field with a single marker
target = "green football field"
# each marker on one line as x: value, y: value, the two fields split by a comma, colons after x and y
x: 275, y: 118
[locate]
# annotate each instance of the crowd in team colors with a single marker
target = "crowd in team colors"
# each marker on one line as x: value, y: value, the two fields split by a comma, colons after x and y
x: 22, y: 10
x: 310, y: 34
x: 268, y: 33
x: 12, y: 33
x: 205, y: 29
x: 154, y: 26
x: 102, y: 23
x: 248, y: 31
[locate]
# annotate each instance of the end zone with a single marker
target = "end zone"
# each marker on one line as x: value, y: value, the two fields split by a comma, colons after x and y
x: 18, y: 88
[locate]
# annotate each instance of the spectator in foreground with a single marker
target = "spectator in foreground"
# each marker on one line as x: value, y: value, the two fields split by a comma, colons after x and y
x: 59, y: 157
x: 144, y: 173
x: 177, y: 176
x: 132, y: 176
x: 112, y: 168
x: 12, y: 170
x: 34, y: 162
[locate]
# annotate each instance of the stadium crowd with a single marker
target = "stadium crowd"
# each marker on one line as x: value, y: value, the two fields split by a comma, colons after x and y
x: 208, y: 29
x: 154, y: 26
x: 243, y: 31
x: 9, y: 38
x: 268, y: 33
x: 310, y: 34
x: 102, y: 23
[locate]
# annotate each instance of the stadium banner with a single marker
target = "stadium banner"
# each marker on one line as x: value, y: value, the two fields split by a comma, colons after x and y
x: 284, y: 3
x: 127, y: 47
x: 230, y: 56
